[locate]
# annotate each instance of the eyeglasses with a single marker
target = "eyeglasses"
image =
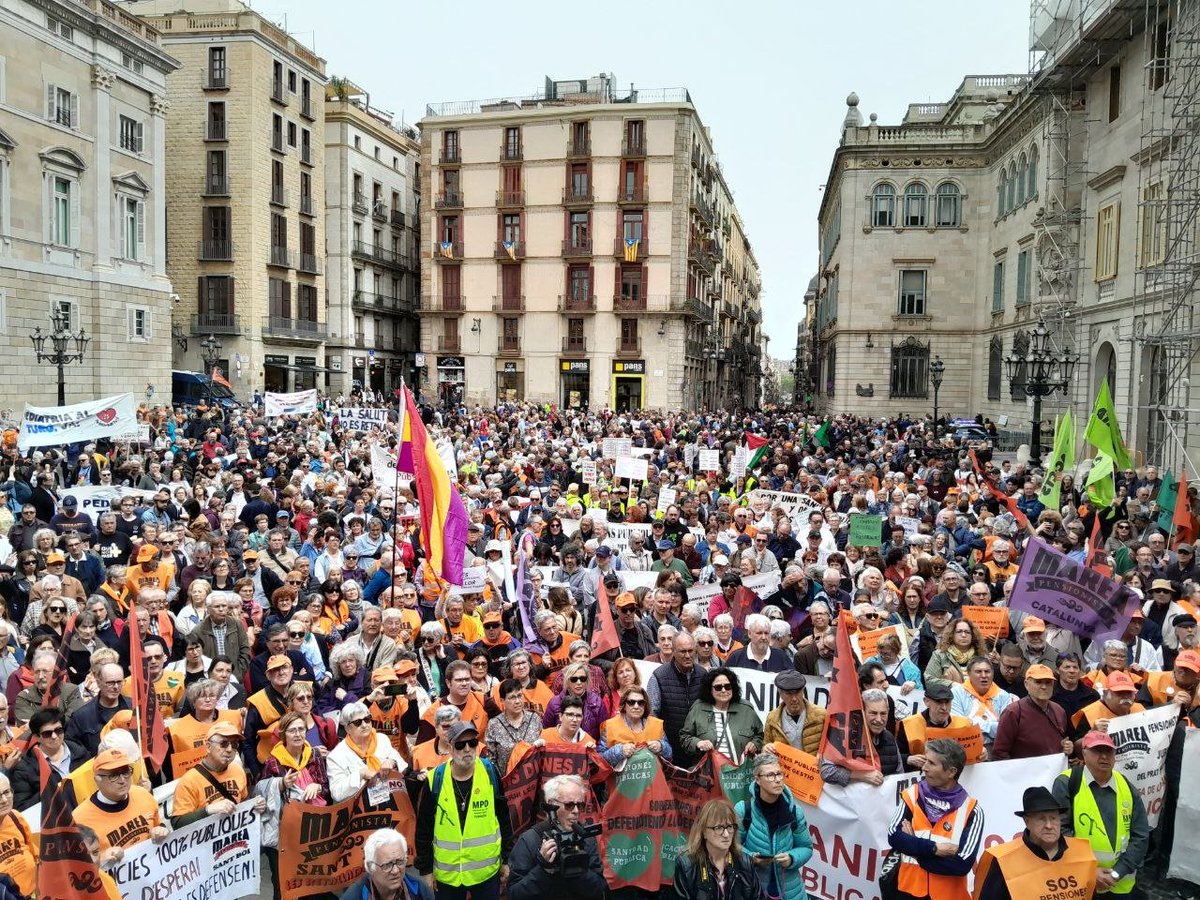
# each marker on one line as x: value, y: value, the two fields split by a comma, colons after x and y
x: 58, y: 609
x: 722, y: 687
x: 295, y: 634
x: 573, y: 804
x: 392, y: 865
x: 722, y: 829
x: 771, y: 776
x: 52, y: 732
x: 578, y: 679
x: 491, y: 624
x: 120, y: 775
x: 466, y: 744
x: 704, y: 643
x: 307, y: 697
x: 354, y: 723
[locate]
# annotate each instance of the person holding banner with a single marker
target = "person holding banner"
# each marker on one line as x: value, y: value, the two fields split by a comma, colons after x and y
x: 18, y: 846
x: 979, y: 698
x: 537, y: 871
x: 633, y: 727
x: 914, y: 731
x: 796, y: 722
x: 721, y: 721
x: 713, y: 865
x: 774, y: 832
x: 364, y: 757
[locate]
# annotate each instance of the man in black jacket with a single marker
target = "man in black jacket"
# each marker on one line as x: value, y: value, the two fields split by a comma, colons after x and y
x: 87, y: 721
x: 535, y: 867
x: 673, y: 688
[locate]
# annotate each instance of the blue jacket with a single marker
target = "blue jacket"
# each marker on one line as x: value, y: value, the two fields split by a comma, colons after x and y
x: 757, y: 838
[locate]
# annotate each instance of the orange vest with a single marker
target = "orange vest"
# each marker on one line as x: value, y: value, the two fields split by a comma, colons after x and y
x: 472, y: 712
x: 615, y: 731
x: 425, y: 756
x: 912, y: 878
x: 1094, y: 712
x: 556, y: 659
x: 387, y: 722
x: 551, y: 736
x: 536, y: 697
x: 1030, y: 877
x: 267, y: 738
x: 918, y: 731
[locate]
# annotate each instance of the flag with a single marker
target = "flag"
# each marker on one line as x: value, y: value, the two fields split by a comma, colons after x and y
x: 511, y: 249
x: 65, y: 868
x: 1010, y: 502
x: 1100, y: 487
x: 404, y: 454
x: 1094, y: 549
x: 1062, y: 459
x: 59, y: 678
x: 821, y: 438
x: 443, y: 516
x: 447, y: 248
x: 1182, y: 521
x: 219, y: 378
x: 1103, y: 432
x: 845, y: 739
x: 152, y: 736
x: 604, y: 634
x: 631, y: 249
x: 1167, y: 493
x: 758, y: 447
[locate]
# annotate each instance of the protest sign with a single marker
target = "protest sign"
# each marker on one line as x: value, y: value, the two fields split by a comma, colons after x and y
x: 793, y: 504
x: 701, y: 595
x: 801, y: 772
x: 615, y: 448
x: 969, y: 737
x: 294, y: 404
x: 323, y: 853
x: 632, y: 580
x: 95, y: 500
x: 910, y: 524
x: 143, y: 433
x: 215, y: 857
x: 383, y: 469
x: 710, y: 460
x: 631, y: 845
x: 689, y: 456
x: 992, y: 621
x: 49, y: 426
x: 737, y: 465
x: 666, y: 497
x: 1185, y: 861
x: 362, y: 418
x: 618, y: 534
x: 866, y: 643
x: 632, y: 468
x: 764, y: 584
x: 865, y: 530
x: 474, y: 581
x: 1063, y: 592
x: 587, y: 470
x: 1142, y: 740
x: 445, y: 452
x: 523, y: 782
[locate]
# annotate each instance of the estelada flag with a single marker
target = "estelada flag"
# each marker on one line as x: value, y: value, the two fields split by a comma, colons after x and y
x: 65, y: 868
x: 1182, y: 520
x: 845, y: 740
x: 604, y: 635
x: 152, y: 734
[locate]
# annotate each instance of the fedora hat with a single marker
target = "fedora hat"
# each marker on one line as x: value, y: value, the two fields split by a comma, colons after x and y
x: 1038, y: 799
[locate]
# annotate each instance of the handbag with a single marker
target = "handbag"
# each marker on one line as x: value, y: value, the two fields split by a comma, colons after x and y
x: 889, y: 877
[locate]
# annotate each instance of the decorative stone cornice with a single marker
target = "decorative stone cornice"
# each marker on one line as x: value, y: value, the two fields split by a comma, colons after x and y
x: 159, y: 105
x: 103, y: 79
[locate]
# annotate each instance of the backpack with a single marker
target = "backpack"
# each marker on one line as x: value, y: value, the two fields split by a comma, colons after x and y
x: 439, y: 775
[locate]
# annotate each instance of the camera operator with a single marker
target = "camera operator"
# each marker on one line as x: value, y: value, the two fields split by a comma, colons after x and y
x: 553, y: 859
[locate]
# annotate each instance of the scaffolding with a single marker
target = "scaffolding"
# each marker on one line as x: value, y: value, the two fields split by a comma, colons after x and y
x: 1165, y: 323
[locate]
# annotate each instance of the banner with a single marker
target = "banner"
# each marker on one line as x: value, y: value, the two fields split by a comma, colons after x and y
x: 710, y: 460
x: 618, y: 535
x: 523, y: 782
x: 632, y: 468
x: 215, y: 857
x: 323, y: 850
x: 1185, y: 862
x: 1068, y: 594
x: 615, y: 448
x: 95, y: 500
x: 793, y: 504
x: 383, y: 469
x: 295, y: 404
x: 801, y: 773
x: 865, y: 530
x: 992, y: 621
x: 362, y: 418
x: 48, y: 426
x: 1142, y: 741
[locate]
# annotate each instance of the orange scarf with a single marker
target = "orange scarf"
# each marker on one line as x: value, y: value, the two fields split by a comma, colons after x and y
x: 985, y: 702
x: 367, y: 756
x: 285, y: 759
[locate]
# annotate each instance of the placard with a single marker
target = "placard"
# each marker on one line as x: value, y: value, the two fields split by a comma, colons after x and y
x: 95, y: 500
x: 737, y: 466
x: 969, y: 737
x: 587, y: 471
x: 710, y: 460
x: 865, y: 530
x: 294, y: 404
x: 615, y: 448
x: 992, y: 621
x: 801, y: 772
x: 632, y: 468
x: 866, y: 643
x: 666, y: 497
x: 362, y: 418
x: 910, y: 524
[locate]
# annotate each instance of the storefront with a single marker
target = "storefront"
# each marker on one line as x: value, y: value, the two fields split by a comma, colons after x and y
x: 628, y: 384
x: 275, y: 373
x: 510, y: 381
x: 576, y: 377
x: 452, y: 380
x: 305, y: 373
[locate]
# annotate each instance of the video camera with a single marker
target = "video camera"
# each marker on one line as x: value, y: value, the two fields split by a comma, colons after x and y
x: 572, y: 858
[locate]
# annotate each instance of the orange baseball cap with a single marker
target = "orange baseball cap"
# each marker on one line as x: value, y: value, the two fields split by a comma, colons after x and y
x: 1119, y: 681
x: 54, y: 557
x: 278, y: 661
x: 492, y: 616
x: 111, y: 761
x: 146, y: 553
x: 382, y: 674
x: 405, y: 667
x: 1188, y: 659
x: 1033, y: 623
x: 225, y: 730
x: 1040, y: 672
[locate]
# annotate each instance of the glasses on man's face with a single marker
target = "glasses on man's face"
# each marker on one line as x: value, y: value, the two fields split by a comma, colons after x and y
x: 466, y: 744
x: 391, y: 866
x: 119, y: 775
x: 573, y: 804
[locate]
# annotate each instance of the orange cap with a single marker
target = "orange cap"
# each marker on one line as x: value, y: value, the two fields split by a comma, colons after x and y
x: 492, y: 616
x: 1188, y: 659
x: 1033, y: 623
x: 224, y: 729
x: 1040, y: 672
x: 405, y: 667
x: 147, y: 552
x: 278, y: 661
x: 382, y: 674
x: 1119, y: 681
x: 110, y: 761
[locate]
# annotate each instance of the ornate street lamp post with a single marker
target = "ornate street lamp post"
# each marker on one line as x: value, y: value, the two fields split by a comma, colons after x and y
x: 937, y: 370
x: 59, y: 354
x: 210, y: 352
x: 1039, y: 373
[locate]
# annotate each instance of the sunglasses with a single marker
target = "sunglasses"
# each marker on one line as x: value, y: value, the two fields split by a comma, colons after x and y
x: 58, y: 609
x: 491, y: 624
x: 704, y: 643
x: 52, y: 732
x: 466, y: 744
x: 578, y: 679
x: 296, y: 634
x: 632, y: 702
x: 354, y: 723
x: 722, y: 687
x: 573, y: 804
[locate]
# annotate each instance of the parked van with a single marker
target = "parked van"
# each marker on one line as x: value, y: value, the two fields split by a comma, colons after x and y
x: 190, y: 388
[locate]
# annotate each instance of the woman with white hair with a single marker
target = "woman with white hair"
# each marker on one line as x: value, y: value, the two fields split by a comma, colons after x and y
x: 723, y: 626
x: 432, y: 659
x: 706, y: 644
x: 351, y: 680
x: 386, y: 875
x: 364, y: 756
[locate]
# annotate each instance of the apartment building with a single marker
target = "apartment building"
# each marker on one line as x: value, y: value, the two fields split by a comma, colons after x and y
x: 584, y: 250
x: 246, y: 232
x: 372, y: 216
x: 82, y: 197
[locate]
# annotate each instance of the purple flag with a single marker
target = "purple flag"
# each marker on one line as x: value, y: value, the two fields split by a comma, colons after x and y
x: 1055, y: 588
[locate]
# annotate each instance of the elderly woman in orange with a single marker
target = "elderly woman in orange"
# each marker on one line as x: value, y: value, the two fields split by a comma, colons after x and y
x: 430, y: 754
x: 188, y: 735
x: 364, y: 757
x: 569, y: 729
x: 632, y: 728
x: 18, y: 846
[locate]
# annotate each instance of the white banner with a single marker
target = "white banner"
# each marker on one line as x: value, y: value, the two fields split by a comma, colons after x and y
x: 1142, y: 740
x: 737, y: 466
x: 618, y: 535
x: 666, y: 497
x: 294, y: 404
x: 793, y: 504
x: 96, y: 500
x: 383, y: 469
x: 445, y: 451
x: 48, y: 426
x: 1185, y: 861
x: 632, y: 468
x: 587, y: 471
x: 215, y: 857
x: 615, y: 448
x: 710, y: 460
x: 362, y: 418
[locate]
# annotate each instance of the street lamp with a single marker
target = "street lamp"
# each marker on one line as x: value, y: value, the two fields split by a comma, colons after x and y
x: 1039, y: 373
x: 60, y: 355
x: 937, y: 370
x: 210, y: 352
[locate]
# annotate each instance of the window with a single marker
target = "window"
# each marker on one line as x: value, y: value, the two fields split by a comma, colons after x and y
x: 1001, y: 193
x: 575, y: 336
x: 1152, y: 226
x: 1022, y: 172
x: 580, y: 281
x: 216, y: 295
x: 998, y: 286
x: 216, y: 223
x: 279, y: 298
x: 216, y: 120
x: 1107, y: 223
x: 291, y: 81
x: 883, y: 206
x: 631, y: 225
x: 449, y: 146
x: 63, y: 210
x: 510, y: 228
x: 629, y: 334
x: 131, y: 134
x: 1114, y: 93
x: 910, y: 369
x: 137, y: 323
x: 510, y: 282
x: 132, y: 63
x: 62, y: 29
x: 635, y: 136
x: 133, y: 229
x: 1024, y: 278
x: 1011, y: 198
x: 631, y: 283
x: 62, y: 106
x: 451, y: 284
x: 512, y: 142
x: 277, y: 133
x: 291, y: 131
x: 449, y: 230
x: 357, y: 142
x: 1160, y: 55
x: 948, y: 206
x: 912, y: 292
x: 1021, y: 351
x: 915, y: 201
x: 218, y: 74
x: 995, y: 368
x: 1031, y: 180
x: 579, y: 231
x: 306, y: 302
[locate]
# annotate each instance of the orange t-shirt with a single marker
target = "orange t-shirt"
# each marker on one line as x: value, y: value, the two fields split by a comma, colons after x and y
x: 556, y: 658
x: 19, y: 853
x: 125, y: 828
x: 193, y: 792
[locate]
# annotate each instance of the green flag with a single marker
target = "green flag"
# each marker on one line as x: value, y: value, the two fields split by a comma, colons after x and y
x: 821, y: 438
x: 1100, y: 486
x: 1062, y: 460
x: 1103, y: 432
x: 1167, y: 495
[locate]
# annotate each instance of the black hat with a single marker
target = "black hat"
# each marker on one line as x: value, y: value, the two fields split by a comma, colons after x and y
x: 1038, y: 799
x: 1183, y: 619
x: 939, y: 604
x: 938, y: 690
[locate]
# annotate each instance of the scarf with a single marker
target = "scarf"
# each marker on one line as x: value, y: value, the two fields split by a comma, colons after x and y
x: 285, y: 759
x: 985, y: 702
x: 367, y: 756
x: 937, y: 804
x: 961, y: 657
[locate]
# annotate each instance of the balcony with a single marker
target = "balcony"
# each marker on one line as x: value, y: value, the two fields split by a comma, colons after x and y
x: 216, y: 130
x: 278, y: 92
x: 383, y: 303
x: 577, y: 303
x: 510, y: 153
x: 625, y: 304
x: 379, y: 210
x: 510, y: 199
x: 216, y: 251
x: 216, y: 81
x: 508, y: 304
x: 451, y: 304
x: 698, y: 309
x: 279, y: 196
x: 452, y: 252
x: 629, y: 346
x: 393, y: 258
x: 216, y: 323
x: 632, y: 196
x: 360, y: 204
x: 753, y: 316
x: 360, y: 341
x: 307, y: 108
x: 397, y: 218
x: 449, y: 343
x: 694, y: 349
x: 508, y: 345
x: 289, y: 329
x: 577, y: 196
x: 450, y: 156
x: 695, y: 157
x: 633, y: 147
x: 281, y: 257
x: 574, y: 248
x: 309, y: 264
x: 306, y: 154
x: 729, y: 310
x: 215, y: 186
x: 622, y: 252
x: 574, y: 345
x: 306, y: 205
x: 579, y: 149
x: 448, y: 200
x: 513, y: 251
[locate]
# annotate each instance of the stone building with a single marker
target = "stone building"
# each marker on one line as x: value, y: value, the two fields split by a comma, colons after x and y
x: 372, y: 215
x: 82, y: 197
x: 584, y: 249
x: 1068, y: 194
x: 246, y: 232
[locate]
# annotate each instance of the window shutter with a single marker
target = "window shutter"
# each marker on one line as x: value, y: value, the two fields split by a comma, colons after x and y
x: 51, y: 94
x: 230, y: 284
x: 147, y: 323
x: 51, y: 229
x: 75, y: 210
x: 74, y: 110
x: 131, y: 323
x: 141, y: 229
x: 141, y: 137
x: 201, y: 304
x: 119, y: 225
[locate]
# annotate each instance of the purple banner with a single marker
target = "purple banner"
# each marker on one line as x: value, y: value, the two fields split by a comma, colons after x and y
x: 1063, y: 592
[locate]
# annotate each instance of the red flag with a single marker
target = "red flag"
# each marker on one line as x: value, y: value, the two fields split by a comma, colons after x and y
x: 845, y: 740
x: 219, y: 378
x: 604, y: 633
x: 152, y: 736
x: 1094, y: 549
x: 59, y: 678
x: 66, y: 868
x: 1182, y: 521
x: 1008, y: 501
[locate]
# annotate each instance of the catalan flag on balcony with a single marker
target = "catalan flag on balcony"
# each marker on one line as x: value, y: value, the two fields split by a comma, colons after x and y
x: 631, y: 249
x: 220, y: 378
x: 447, y: 249
x: 511, y: 249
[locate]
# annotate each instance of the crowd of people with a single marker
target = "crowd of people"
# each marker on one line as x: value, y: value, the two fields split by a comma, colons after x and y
x: 301, y: 647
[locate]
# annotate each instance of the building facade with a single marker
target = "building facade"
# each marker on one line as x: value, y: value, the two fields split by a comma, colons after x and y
x: 372, y: 215
x: 246, y: 232
x: 82, y: 197
x: 1069, y: 194
x: 584, y: 250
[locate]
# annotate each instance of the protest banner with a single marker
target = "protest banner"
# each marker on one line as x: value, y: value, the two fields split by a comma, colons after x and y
x: 735, y: 778
x: 49, y: 426
x: 969, y: 737
x: 618, y: 534
x: 845, y: 740
x: 910, y: 524
x: 689, y: 456
x: 362, y: 418
x: 866, y: 643
x: 701, y: 595
x: 1065, y: 593
x: 95, y: 500
x: 710, y: 460
x: 865, y: 530
x: 294, y: 404
x: 632, y: 468
x: 801, y: 772
x: 323, y: 853
x: 764, y: 584
x: 793, y: 504
x: 992, y: 621
x: 383, y: 469
x: 215, y: 857
x: 587, y: 471
x: 632, y: 580
x: 1185, y: 861
x: 615, y: 448
x: 666, y: 497
x: 1142, y: 741
x: 737, y: 465
x: 526, y: 774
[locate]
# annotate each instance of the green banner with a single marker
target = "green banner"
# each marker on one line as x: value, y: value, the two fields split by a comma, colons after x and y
x: 865, y: 530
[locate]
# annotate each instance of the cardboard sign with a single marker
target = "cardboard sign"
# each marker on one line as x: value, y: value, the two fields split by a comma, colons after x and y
x: 969, y: 737
x: 710, y: 460
x: 865, y: 530
x: 866, y: 643
x: 632, y: 468
x: 801, y: 773
x: 615, y: 448
x: 992, y: 621
x: 910, y: 524
x: 362, y: 418
x: 737, y: 466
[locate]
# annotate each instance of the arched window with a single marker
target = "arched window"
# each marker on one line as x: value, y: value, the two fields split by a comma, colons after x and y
x: 1001, y: 193
x: 948, y: 206
x: 916, y: 199
x: 883, y: 206
x: 1023, y: 192
x: 910, y: 369
x: 995, y: 368
x: 1012, y: 187
x: 1031, y: 179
